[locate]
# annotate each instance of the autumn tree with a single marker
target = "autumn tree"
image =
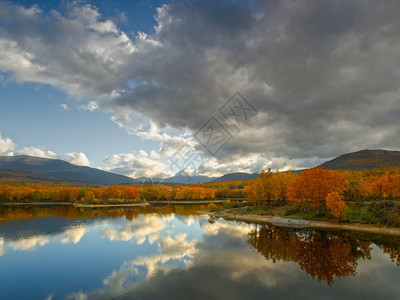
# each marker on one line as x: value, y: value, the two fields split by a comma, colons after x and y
x: 279, y: 184
x: 386, y: 186
x: 358, y: 186
x: 132, y: 193
x: 311, y: 187
x: 259, y: 191
x: 194, y: 193
x: 335, y: 203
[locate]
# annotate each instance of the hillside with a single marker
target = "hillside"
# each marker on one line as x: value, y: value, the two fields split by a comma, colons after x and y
x: 57, y: 170
x: 24, y: 177
x: 364, y: 160
x: 236, y: 176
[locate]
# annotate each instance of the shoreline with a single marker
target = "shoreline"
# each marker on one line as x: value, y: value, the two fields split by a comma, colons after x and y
x: 162, y: 202
x: 301, y: 223
x: 75, y: 204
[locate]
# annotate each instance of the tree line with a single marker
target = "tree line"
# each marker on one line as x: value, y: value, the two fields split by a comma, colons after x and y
x: 315, y: 190
x: 321, y: 190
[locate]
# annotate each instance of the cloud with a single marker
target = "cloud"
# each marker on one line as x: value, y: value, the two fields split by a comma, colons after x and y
x: 64, y: 106
x: 233, y: 229
x: 171, y: 248
x: 91, y: 106
x: 74, y: 235
x: 6, y: 145
x: 138, y: 164
x: 141, y: 228
x: 38, y: 152
x: 77, y: 296
x: 323, y: 76
x: 2, y: 251
x: 30, y: 243
x: 78, y: 158
x: 192, y: 261
x: 176, y: 248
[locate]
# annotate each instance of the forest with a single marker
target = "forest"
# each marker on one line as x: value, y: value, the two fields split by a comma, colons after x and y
x: 368, y: 196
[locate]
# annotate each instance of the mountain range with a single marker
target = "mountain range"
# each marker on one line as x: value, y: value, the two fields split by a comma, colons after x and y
x: 56, y: 170
x: 28, y: 168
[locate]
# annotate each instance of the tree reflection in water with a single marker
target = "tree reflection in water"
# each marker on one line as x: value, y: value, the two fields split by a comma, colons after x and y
x: 8, y: 213
x: 323, y: 255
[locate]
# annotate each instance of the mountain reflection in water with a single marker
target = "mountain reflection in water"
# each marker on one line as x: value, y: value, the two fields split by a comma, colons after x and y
x: 173, y: 252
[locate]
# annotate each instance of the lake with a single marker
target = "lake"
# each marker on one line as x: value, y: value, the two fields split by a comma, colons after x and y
x: 178, y: 253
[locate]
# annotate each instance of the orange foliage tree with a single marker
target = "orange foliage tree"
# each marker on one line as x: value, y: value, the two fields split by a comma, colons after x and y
x: 269, y: 187
x: 335, y: 203
x: 386, y: 186
x: 259, y: 192
x: 311, y: 188
x: 279, y: 184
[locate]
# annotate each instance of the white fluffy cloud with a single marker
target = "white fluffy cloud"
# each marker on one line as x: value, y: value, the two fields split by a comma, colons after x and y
x: 138, y: 164
x: 177, y: 247
x: 30, y: 243
x: 6, y: 145
x: 78, y: 158
x: 35, y: 151
x: 141, y: 228
x: 74, y: 235
x: 323, y: 76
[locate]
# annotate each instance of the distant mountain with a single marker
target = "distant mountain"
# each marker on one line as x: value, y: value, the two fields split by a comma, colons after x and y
x: 148, y: 179
x: 183, y: 178
x: 236, y: 176
x: 57, y: 170
x: 180, y: 177
x: 364, y: 160
x: 187, y: 179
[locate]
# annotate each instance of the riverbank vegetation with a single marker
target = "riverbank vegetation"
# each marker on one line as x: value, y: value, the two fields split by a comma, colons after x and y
x: 371, y: 196
x: 27, y: 193
x: 352, y: 196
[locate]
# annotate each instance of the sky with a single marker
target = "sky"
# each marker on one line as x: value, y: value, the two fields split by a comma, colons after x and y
x: 151, y: 88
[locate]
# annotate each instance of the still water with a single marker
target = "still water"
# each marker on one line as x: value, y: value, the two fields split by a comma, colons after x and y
x: 69, y: 253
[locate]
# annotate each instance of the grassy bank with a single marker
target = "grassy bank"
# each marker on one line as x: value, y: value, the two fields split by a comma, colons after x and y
x: 301, y: 223
x: 384, y: 212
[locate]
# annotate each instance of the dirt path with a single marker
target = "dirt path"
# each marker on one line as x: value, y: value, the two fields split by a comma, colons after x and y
x: 300, y: 223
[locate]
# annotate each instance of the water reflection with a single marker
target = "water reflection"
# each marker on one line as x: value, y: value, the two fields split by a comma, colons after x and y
x: 125, y: 254
x: 321, y: 254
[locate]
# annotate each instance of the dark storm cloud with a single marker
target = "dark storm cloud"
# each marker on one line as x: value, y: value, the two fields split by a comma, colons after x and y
x: 323, y: 75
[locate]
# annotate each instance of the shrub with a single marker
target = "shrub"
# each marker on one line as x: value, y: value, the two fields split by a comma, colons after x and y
x: 394, y: 219
x: 212, y: 207
x: 228, y: 204
x: 291, y: 211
